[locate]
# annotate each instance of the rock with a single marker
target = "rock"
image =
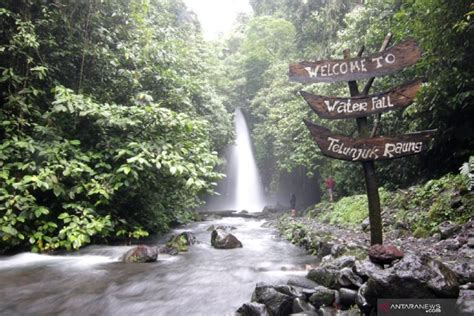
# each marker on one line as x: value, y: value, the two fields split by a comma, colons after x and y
x: 465, y: 303
x: 324, y: 276
x: 347, y: 297
x: 449, y: 244
x: 342, y: 262
x: 338, y: 250
x: 168, y: 250
x: 467, y: 286
x: 384, y: 254
x: 448, y: 229
x: 140, y: 254
x: 470, y: 242
x: 413, y: 277
x: 464, y: 271
x: 401, y: 225
x: 364, y: 306
x: 289, y: 290
x: 300, y: 305
x: 347, y: 278
x: 182, y: 241
x: 324, y: 248
x: 308, y: 313
x: 363, y: 268
x: 322, y: 296
x: 365, y: 224
x: 330, y: 311
x: 301, y: 282
x: 252, y: 309
x: 210, y: 229
x: 456, y: 202
x: 278, y: 304
x: 222, y: 240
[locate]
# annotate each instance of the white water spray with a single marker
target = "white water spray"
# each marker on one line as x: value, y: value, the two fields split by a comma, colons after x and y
x: 249, y: 194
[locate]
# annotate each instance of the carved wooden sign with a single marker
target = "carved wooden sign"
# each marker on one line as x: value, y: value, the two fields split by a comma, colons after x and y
x: 343, y: 108
x: 397, y: 57
x: 368, y: 149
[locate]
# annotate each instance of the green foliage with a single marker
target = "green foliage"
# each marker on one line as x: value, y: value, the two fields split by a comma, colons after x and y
x: 421, y: 208
x: 323, y: 29
x: 109, y: 124
x: 426, y: 206
x: 421, y: 232
x: 350, y: 210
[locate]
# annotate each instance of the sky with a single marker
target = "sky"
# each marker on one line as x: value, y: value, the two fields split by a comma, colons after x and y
x: 217, y: 16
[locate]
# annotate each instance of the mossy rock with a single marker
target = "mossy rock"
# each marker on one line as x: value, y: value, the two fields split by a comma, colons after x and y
x: 181, y: 242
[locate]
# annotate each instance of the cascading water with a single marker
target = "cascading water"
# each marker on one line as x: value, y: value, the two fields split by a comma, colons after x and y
x: 248, y: 193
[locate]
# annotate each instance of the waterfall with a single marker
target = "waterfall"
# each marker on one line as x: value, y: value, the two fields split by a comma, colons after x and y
x: 249, y: 193
x: 242, y: 189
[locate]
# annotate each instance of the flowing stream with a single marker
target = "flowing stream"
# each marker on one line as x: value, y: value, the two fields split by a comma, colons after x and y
x: 203, y: 281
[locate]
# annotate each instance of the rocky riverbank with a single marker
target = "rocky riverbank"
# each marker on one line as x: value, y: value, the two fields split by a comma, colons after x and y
x: 344, y: 276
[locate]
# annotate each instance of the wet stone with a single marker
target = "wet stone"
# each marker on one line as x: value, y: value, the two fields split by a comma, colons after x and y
x: 347, y: 297
x: 324, y: 276
x: 278, y: 304
x: 322, y: 296
x: 252, y: 309
x: 300, y: 305
x: 414, y: 277
x: 302, y: 282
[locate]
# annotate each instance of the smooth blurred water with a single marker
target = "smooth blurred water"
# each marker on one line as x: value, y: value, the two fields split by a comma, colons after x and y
x: 203, y: 281
x: 249, y: 193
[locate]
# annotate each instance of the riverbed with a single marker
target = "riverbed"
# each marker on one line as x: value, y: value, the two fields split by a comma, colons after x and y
x: 202, y: 281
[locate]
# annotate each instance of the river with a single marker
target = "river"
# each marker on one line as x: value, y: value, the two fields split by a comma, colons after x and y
x: 203, y: 281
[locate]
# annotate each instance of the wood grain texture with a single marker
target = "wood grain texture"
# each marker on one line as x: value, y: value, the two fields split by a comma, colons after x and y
x: 360, y: 106
x: 395, y: 58
x: 368, y: 149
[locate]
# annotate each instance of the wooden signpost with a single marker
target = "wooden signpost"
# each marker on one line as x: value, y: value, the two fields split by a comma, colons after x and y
x: 366, y: 148
x: 386, y: 62
x: 343, y: 108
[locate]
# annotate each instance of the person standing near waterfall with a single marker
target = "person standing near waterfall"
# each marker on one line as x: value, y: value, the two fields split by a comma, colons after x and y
x: 293, y: 205
x: 330, y: 183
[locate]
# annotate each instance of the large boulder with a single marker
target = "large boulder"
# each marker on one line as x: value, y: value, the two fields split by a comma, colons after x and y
x: 324, y: 276
x: 448, y: 229
x: 140, y: 254
x: 223, y: 240
x: 301, y: 306
x: 252, y: 309
x: 384, y: 254
x: 322, y: 296
x: 413, y: 277
x: 279, y: 304
x: 348, y: 278
x: 301, y: 282
x: 182, y: 241
x: 347, y: 297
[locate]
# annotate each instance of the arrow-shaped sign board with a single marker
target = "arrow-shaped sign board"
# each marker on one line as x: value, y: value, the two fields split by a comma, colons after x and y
x: 343, y: 108
x: 397, y: 57
x: 368, y: 149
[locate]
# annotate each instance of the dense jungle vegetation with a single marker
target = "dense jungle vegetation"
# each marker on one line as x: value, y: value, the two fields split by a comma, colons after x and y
x: 257, y: 56
x: 114, y: 114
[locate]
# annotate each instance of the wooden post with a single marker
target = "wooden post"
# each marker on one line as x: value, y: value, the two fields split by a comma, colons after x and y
x: 372, y: 187
x: 367, y: 148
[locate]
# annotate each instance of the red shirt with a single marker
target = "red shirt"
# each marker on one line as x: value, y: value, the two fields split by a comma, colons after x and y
x: 330, y: 183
